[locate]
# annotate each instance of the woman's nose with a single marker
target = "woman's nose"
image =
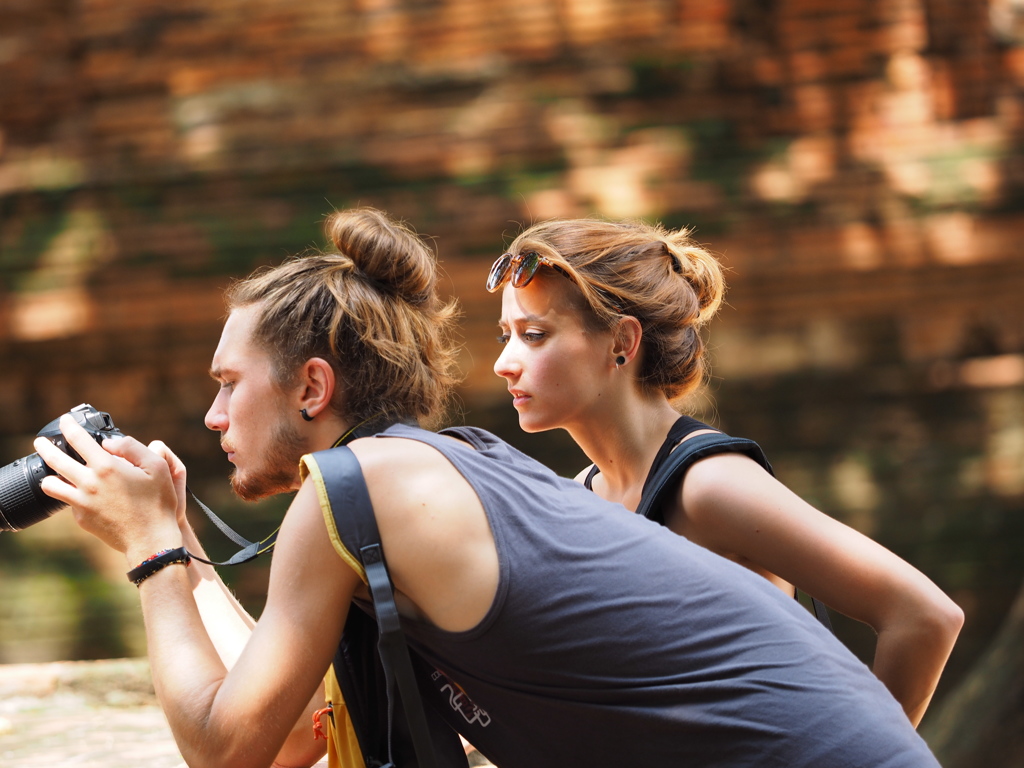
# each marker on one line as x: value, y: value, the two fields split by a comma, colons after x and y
x: 506, y: 366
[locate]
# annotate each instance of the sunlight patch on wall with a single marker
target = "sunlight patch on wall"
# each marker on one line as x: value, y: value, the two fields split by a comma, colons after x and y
x: 951, y: 237
x: 1004, y: 455
x: 821, y: 344
x: 862, y: 247
x: 791, y: 176
x: 998, y: 371
x: 635, y: 180
x: 52, y: 301
x: 50, y: 314
x: 38, y: 169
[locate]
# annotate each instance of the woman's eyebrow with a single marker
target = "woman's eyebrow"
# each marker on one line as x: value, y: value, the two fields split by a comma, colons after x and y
x: 218, y: 373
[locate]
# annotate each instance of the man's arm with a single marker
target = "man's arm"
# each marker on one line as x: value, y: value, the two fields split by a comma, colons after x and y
x: 229, y: 626
x: 243, y: 716
x: 228, y: 623
x: 240, y: 717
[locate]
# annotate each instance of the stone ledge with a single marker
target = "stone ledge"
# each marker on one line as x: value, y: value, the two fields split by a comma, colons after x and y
x: 86, y: 714
x: 114, y: 682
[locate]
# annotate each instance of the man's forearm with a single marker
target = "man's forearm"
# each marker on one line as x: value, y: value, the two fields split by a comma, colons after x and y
x: 229, y: 627
x: 186, y: 666
x: 227, y: 622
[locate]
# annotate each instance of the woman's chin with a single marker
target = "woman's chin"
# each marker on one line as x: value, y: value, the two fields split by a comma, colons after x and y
x: 532, y: 424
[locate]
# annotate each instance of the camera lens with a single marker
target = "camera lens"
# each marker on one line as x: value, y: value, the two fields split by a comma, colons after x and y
x: 22, y: 501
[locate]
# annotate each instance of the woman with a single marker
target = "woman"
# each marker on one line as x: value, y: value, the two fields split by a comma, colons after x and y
x: 601, y: 326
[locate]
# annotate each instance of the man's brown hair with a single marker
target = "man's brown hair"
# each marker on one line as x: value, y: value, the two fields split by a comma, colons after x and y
x: 371, y: 310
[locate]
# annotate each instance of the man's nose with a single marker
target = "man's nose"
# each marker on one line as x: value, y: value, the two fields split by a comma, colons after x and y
x: 216, y: 417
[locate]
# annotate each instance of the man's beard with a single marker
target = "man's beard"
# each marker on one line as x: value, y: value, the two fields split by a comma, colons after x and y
x: 279, y: 472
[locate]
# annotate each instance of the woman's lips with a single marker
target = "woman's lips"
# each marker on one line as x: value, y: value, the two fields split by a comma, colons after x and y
x: 519, y: 398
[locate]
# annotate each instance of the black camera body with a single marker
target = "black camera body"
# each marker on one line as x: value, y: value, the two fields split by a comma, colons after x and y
x: 22, y: 501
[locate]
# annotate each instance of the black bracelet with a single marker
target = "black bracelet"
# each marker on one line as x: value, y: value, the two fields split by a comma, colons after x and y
x: 160, y: 560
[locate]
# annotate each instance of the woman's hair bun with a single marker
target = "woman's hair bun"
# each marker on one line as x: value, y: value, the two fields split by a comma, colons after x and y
x: 700, y: 268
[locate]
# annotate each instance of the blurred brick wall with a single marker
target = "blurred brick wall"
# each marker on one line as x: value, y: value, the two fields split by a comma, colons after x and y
x: 857, y: 164
x: 848, y: 159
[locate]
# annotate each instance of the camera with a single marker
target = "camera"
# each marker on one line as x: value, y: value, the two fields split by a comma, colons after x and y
x: 22, y: 501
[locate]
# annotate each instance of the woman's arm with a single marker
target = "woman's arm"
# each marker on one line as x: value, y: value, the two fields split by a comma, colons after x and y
x: 732, y: 506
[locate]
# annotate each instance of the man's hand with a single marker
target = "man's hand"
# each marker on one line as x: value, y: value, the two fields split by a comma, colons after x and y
x: 178, y: 477
x: 124, y: 493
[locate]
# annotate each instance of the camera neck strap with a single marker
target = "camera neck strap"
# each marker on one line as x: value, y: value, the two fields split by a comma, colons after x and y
x: 250, y: 550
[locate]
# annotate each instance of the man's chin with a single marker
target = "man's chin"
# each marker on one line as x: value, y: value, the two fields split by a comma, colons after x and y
x: 255, y: 489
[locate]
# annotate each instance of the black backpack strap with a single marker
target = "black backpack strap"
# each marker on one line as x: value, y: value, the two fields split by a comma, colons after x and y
x: 357, y: 527
x: 671, y: 473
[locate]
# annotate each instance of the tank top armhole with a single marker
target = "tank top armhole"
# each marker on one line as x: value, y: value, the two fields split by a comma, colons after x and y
x: 682, y: 428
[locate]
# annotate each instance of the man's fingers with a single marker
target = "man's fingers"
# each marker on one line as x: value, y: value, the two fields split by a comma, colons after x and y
x: 96, y: 455
x: 132, y: 450
x: 178, y: 473
x: 57, y: 488
x: 79, y: 439
x: 160, y: 449
x: 57, y: 460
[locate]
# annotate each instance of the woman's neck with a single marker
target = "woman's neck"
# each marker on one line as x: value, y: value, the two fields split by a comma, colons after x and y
x: 623, y: 444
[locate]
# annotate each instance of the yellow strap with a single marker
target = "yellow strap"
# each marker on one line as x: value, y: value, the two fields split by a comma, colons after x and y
x: 309, y: 468
x: 342, y: 745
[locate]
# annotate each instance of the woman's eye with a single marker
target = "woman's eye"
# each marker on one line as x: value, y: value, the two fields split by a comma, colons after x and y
x: 533, y: 336
x: 502, y: 339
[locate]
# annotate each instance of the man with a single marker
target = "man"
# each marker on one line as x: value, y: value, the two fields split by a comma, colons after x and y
x: 567, y: 631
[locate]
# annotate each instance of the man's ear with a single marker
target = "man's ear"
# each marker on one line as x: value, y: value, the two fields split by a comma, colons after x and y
x: 627, y: 337
x: 317, y: 383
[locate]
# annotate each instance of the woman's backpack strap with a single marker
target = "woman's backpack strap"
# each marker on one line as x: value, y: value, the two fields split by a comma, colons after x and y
x: 669, y: 476
x: 356, y: 525
x: 671, y: 473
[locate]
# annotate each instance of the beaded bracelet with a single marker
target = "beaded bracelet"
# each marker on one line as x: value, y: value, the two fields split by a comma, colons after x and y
x: 157, y: 562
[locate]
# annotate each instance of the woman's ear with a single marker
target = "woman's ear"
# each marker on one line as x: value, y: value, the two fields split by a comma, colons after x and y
x: 317, y: 382
x: 627, y: 337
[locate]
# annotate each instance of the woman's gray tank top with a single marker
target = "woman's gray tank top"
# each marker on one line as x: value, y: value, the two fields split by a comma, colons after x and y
x: 612, y: 642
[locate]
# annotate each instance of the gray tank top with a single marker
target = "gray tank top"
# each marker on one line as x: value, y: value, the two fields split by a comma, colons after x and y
x: 612, y: 642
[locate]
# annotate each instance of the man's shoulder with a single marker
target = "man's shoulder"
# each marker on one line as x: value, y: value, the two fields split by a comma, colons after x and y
x: 408, y: 474
x: 397, y: 451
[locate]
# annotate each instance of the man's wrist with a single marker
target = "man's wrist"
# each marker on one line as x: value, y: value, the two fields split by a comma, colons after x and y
x: 153, y: 543
x: 157, y: 562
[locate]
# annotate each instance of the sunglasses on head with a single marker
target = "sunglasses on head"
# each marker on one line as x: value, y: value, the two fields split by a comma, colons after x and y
x: 520, y: 267
x: 523, y: 267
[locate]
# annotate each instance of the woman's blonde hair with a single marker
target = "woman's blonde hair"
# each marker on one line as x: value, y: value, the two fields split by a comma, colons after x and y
x: 371, y: 309
x: 670, y: 284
